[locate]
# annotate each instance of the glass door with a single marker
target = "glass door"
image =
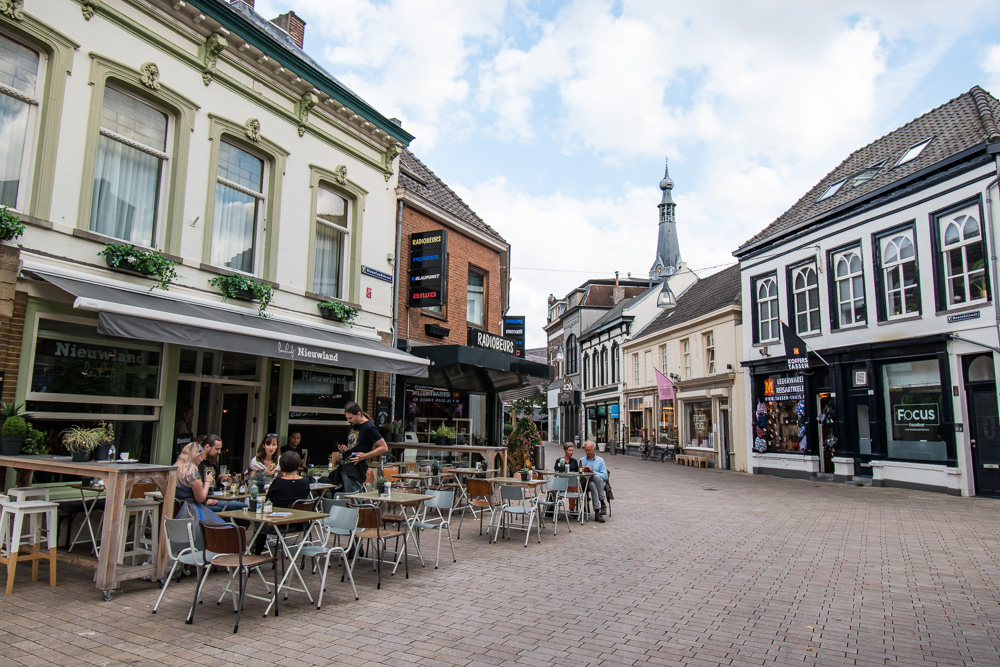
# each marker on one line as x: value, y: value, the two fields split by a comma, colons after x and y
x: 235, y: 418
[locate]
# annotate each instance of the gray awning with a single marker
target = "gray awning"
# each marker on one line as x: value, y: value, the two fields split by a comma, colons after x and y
x: 143, y: 316
x: 479, y: 369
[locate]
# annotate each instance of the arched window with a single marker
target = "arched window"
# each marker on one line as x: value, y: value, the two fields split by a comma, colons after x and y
x: 805, y: 291
x: 595, y: 376
x: 899, y: 264
x: 964, y: 263
x: 586, y: 371
x: 767, y: 310
x: 615, y: 361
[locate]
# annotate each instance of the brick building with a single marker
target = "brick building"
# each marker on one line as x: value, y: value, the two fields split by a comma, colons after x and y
x: 463, y: 335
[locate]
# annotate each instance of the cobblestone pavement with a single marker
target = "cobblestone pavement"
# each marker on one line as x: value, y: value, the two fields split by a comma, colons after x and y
x: 698, y: 567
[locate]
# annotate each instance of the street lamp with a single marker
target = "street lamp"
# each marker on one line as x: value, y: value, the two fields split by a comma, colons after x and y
x: 665, y: 300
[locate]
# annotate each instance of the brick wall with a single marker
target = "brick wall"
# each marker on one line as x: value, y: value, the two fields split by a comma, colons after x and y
x: 463, y: 252
x: 11, y: 331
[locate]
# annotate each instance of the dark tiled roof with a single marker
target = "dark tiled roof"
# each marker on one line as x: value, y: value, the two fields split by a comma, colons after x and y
x: 539, y: 354
x: 708, y: 294
x: 602, y: 296
x: 966, y: 121
x: 418, y: 179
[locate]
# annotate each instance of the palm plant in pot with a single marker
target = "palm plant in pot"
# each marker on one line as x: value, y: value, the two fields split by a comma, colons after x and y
x: 82, y: 441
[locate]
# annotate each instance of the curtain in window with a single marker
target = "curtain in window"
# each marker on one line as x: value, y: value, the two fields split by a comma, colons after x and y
x: 127, y: 177
x: 326, y: 273
x: 238, y: 198
x: 18, y: 70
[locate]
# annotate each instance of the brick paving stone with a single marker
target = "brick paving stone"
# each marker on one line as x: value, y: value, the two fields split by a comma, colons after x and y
x: 762, y: 571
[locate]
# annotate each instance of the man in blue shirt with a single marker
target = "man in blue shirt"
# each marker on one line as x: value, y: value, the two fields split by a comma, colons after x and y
x: 591, y: 462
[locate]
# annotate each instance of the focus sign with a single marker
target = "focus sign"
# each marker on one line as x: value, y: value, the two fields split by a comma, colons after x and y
x: 427, y: 268
x: 513, y: 328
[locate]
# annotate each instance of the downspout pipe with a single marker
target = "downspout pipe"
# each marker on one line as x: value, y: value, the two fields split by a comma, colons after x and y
x: 395, y: 295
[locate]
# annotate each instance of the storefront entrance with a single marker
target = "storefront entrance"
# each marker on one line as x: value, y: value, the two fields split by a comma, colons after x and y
x: 984, y: 424
x: 235, y: 420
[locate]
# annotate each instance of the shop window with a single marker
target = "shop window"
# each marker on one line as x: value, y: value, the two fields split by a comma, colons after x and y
x: 709, y: 342
x: 805, y: 299
x: 239, y: 209
x: 320, y: 394
x: 914, y: 406
x: 900, y: 284
x: 475, y: 312
x: 429, y: 408
x: 849, y: 288
x: 698, y: 419
x: 20, y: 74
x: 128, y: 173
x: 686, y: 357
x: 962, y: 261
x: 779, y: 420
x: 766, y: 310
x: 332, y: 229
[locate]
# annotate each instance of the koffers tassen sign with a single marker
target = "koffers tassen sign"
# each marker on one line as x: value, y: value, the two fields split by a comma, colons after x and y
x: 428, y: 251
x: 488, y: 341
x: 513, y: 328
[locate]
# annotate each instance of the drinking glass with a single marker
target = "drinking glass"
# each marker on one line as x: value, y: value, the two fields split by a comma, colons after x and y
x: 223, y: 470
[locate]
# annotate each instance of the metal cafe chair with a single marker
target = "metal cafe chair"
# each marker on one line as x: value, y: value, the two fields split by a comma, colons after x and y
x: 370, y: 529
x: 228, y: 543
x: 514, y: 504
x: 341, y: 521
x: 180, y: 534
x: 441, y: 502
x: 555, y: 498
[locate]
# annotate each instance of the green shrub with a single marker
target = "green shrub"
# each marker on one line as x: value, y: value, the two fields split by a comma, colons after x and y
x: 35, y: 442
x: 15, y: 427
x: 11, y: 226
x: 341, y: 311
x: 233, y: 283
x: 151, y: 262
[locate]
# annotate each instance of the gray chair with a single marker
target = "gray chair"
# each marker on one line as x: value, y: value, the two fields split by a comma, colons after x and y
x: 180, y: 535
x: 343, y: 521
x: 555, y: 498
x: 441, y: 502
x: 515, y: 504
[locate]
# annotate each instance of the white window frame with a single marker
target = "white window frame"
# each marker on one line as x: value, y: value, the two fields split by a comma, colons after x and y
x: 663, y: 358
x: 35, y: 109
x: 710, y: 352
x: 856, y: 300
x: 260, y: 223
x: 159, y: 222
x: 962, y: 245
x: 686, y: 357
x: 635, y: 368
x: 811, y: 312
x: 769, y: 285
x: 913, y: 152
x: 897, y: 265
x: 482, y: 295
x: 345, y: 231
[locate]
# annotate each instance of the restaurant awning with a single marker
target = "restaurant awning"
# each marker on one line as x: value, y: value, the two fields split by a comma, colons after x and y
x: 478, y: 369
x: 173, y: 319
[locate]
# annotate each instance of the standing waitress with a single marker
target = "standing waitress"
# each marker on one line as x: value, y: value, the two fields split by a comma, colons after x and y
x: 364, y: 442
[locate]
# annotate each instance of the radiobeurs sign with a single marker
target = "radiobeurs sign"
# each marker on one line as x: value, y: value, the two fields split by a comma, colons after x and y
x: 428, y: 251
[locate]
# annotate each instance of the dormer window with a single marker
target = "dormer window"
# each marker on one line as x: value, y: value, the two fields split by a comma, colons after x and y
x: 832, y: 190
x: 913, y: 152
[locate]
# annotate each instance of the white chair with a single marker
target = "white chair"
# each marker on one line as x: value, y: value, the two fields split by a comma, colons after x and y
x: 342, y: 521
x: 514, y: 503
x: 580, y: 496
x: 440, y: 502
x: 555, y: 497
x: 180, y: 532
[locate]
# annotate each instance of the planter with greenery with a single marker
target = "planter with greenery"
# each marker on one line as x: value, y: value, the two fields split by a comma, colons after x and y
x: 236, y: 286
x: 128, y: 258
x: 11, y: 226
x: 82, y: 441
x: 380, y: 483
x: 398, y: 431
x: 35, y: 442
x: 337, y: 311
x: 14, y: 430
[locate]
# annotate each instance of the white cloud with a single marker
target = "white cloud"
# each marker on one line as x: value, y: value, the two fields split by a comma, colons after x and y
x: 991, y: 65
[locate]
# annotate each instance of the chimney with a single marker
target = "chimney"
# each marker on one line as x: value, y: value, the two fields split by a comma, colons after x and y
x: 293, y: 25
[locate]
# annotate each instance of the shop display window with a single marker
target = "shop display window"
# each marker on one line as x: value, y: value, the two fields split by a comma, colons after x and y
x: 429, y: 408
x: 320, y: 394
x: 698, y: 418
x: 779, y: 420
x: 913, y: 405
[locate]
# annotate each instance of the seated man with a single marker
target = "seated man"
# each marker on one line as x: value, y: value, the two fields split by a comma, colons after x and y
x: 213, y: 448
x: 591, y: 462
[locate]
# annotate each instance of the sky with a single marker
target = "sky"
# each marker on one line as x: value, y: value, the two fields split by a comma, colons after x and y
x: 552, y: 119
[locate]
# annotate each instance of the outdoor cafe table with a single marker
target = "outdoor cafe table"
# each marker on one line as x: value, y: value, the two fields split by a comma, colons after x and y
x: 280, y: 516
x: 411, y: 501
x: 117, y: 478
x: 419, y: 477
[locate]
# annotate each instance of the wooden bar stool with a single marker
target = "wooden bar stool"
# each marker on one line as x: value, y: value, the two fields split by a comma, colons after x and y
x: 141, y: 511
x: 12, y: 537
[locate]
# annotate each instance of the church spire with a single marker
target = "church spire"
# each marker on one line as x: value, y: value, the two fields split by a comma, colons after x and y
x: 668, y: 252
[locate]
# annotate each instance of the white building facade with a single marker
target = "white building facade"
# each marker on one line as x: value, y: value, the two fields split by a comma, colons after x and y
x: 886, y: 270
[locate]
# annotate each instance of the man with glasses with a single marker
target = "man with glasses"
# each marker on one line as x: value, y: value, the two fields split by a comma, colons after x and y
x: 591, y: 462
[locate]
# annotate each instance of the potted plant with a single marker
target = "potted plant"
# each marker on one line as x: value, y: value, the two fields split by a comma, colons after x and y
x: 449, y: 433
x: 441, y: 436
x: 82, y: 441
x: 236, y: 286
x: 337, y: 311
x: 126, y: 257
x: 380, y: 482
x: 11, y: 226
x: 398, y: 430
x: 14, y: 430
x: 35, y: 442
x: 525, y: 473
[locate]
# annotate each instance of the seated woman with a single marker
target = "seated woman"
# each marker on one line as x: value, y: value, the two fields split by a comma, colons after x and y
x: 567, y: 463
x: 267, y: 456
x: 287, y: 487
x: 192, y: 490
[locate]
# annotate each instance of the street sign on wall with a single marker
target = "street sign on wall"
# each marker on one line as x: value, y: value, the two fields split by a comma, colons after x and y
x: 428, y: 251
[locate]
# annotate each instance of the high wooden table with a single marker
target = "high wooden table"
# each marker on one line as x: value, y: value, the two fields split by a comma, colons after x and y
x: 118, y: 478
x: 488, y: 453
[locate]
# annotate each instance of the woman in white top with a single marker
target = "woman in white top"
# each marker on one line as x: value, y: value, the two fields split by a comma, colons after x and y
x: 267, y: 456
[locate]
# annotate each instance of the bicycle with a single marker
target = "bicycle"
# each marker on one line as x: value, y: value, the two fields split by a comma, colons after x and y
x: 648, y: 450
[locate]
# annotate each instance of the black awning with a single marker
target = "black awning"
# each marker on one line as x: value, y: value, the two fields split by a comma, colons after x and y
x: 143, y: 316
x: 478, y: 369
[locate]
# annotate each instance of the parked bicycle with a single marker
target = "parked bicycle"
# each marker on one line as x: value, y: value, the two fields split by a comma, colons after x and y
x: 649, y: 450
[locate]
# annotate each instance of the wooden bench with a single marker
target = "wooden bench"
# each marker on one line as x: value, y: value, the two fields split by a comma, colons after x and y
x: 694, y: 461
x: 629, y: 446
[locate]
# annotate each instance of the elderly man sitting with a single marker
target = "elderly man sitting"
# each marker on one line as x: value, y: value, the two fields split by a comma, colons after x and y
x: 591, y: 462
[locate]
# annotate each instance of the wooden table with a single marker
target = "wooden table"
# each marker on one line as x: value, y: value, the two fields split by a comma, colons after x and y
x: 118, y: 478
x: 488, y: 453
